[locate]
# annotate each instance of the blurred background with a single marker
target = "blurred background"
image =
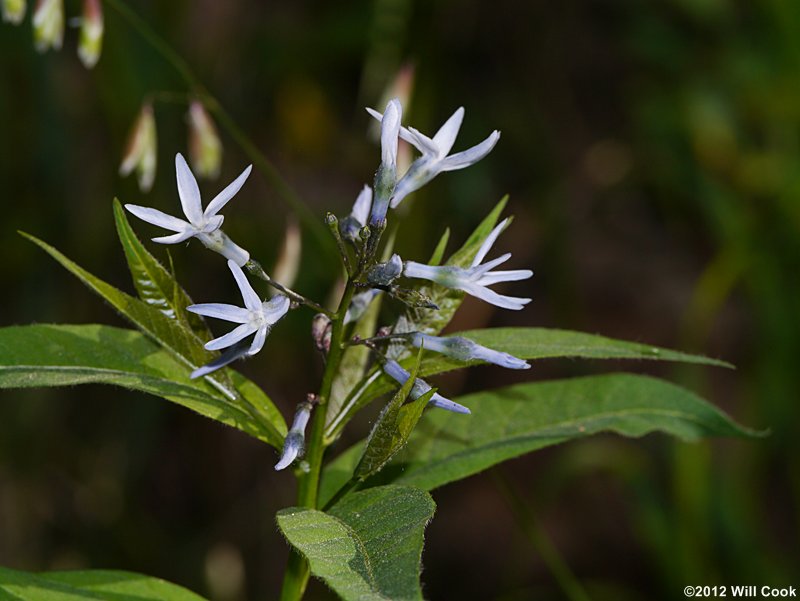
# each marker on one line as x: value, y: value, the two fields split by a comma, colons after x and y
x: 651, y: 151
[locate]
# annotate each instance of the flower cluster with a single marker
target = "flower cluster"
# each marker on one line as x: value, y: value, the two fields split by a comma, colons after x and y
x: 358, y: 236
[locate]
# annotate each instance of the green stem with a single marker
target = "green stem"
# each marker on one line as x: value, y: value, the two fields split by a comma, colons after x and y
x: 268, y: 170
x: 297, y: 571
x: 570, y: 586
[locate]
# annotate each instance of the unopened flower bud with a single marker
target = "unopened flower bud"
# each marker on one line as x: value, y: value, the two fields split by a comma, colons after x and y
x: 91, y: 40
x: 13, y: 11
x: 384, y: 274
x: 205, y: 147
x: 321, y: 330
x: 48, y: 24
x: 294, y: 443
x: 141, y: 150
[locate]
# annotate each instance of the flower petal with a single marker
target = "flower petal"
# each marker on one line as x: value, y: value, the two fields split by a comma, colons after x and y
x: 188, y: 191
x: 390, y: 130
x: 258, y: 340
x: 362, y: 205
x: 439, y: 401
x: 275, y: 308
x: 174, y: 238
x: 221, y: 311
x: 156, y: 217
x: 251, y: 300
x: 493, y: 298
x: 446, y: 136
x: 232, y: 337
x: 489, y: 242
x: 480, y: 270
x: 221, y: 199
x: 235, y: 352
x: 471, y: 155
x: 422, y: 142
x: 513, y: 275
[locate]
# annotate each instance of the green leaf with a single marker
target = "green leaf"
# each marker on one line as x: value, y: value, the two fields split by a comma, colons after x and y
x: 155, y: 285
x: 171, y: 334
x: 95, y: 585
x: 438, y: 252
x: 368, y: 546
x: 544, y: 343
x: 394, y: 426
x: 519, y: 419
x: 58, y: 355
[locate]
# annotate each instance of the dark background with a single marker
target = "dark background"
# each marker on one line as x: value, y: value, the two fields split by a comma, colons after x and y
x: 652, y: 153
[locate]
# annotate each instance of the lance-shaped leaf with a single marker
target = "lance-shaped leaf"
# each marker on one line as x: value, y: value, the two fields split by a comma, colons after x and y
x: 155, y: 285
x: 94, y: 585
x: 368, y: 546
x: 169, y: 333
x: 512, y: 421
x: 394, y: 426
x: 544, y: 343
x: 524, y: 343
x: 59, y: 355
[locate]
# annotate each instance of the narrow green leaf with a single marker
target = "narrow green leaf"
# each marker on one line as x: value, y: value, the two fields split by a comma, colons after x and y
x: 155, y: 285
x: 169, y: 333
x: 519, y: 419
x: 393, y: 427
x: 368, y: 546
x: 542, y: 343
x: 59, y: 355
x: 438, y: 252
x: 94, y: 585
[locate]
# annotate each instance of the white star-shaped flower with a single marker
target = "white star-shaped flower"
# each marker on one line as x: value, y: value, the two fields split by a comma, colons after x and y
x: 256, y: 316
x: 200, y: 224
x: 435, y: 152
x: 475, y: 279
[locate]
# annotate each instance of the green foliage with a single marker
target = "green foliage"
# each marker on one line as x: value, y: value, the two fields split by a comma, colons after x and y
x: 368, y: 546
x: 96, y: 585
x: 531, y: 343
x: 394, y: 426
x: 155, y: 285
x: 512, y: 421
x: 61, y: 355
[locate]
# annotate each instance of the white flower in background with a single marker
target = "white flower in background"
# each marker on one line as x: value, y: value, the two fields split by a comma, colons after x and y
x: 294, y: 443
x: 464, y: 349
x: 386, y: 177
x: 351, y: 225
x: 395, y: 371
x: 13, y: 11
x: 91, y: 37
x: 435, y: 151
x: 475, y: 279
x: 256, y: 316
x: 142, y: 149
x: 203, y: 225
x: 48, y: 24
x: 205, y: 147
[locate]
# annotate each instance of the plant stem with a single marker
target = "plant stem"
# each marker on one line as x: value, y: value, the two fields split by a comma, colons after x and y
x: 570, y: 586
x: 297, y: 571
x: 267, y: 169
